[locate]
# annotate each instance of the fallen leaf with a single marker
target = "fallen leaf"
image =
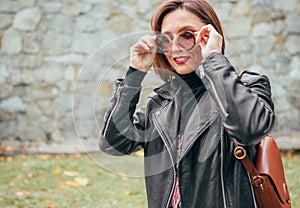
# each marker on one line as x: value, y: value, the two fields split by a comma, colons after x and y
x: 128, y: 193
x: 49, y: 205
x: 22, y: 193
x: 56, y: 171
x: 33, y: 175
x: 70, y: 173
x: 82, y: 181
x: 72, y: 184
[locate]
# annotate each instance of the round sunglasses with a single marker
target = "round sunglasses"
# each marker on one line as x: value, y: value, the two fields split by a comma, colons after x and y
x: 185, y: 41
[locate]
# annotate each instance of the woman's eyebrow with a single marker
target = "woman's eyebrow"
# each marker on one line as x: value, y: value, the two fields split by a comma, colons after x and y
x: 188, y: 27
x: 166, y: 33
x: 185, y: 28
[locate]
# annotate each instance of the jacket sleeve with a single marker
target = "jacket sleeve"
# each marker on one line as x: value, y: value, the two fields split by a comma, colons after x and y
x: 245, y: 103
x: 123, y: 125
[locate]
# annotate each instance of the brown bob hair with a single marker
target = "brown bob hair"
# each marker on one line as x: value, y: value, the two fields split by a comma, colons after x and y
x: 200, y: 8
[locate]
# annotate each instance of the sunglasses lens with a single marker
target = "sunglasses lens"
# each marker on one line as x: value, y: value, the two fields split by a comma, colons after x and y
x: 186, y: 41
x: 163, y: 43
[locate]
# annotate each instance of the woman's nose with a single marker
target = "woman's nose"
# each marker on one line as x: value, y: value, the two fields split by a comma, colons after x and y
x: 175, y: 47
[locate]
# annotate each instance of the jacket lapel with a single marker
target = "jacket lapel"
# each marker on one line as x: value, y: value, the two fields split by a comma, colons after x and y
x: 168, y: 117
x: 204, y: 114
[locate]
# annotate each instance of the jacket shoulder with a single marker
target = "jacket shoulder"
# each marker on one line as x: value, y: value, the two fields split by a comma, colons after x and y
x: 251, y: 77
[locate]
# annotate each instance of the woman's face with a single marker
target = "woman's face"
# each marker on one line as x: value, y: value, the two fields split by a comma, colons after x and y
x: 175, y: 23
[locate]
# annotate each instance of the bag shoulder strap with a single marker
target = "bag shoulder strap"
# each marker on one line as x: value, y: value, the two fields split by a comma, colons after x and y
x: 241, y: 154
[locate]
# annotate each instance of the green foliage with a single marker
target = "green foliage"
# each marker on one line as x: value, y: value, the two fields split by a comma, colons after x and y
x: 56, y: 181
x: 65, y: 181
x: 292, y: 172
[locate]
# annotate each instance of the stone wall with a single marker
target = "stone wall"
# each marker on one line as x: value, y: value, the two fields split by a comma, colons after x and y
x: 58, y: 60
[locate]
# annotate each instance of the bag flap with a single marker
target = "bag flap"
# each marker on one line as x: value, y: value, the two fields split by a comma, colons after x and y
x: 269, y: 162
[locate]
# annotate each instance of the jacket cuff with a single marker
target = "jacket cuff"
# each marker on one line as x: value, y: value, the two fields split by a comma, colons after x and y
x: 134, y: 77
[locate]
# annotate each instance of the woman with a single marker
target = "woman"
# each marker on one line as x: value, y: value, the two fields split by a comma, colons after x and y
x: 187, y: 124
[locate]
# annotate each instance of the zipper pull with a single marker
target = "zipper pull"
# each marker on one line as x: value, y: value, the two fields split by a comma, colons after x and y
x: 119, y: 89
x: 201, y: 70
x: 178, y: 153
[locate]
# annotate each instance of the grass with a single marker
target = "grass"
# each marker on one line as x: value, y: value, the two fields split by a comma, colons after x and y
x: 51, y: 181
x: 65, y: 181
x: 292, y: 172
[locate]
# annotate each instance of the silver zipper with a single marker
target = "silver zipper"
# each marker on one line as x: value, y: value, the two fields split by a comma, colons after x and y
x: 173, y: 164
x: 222, y: 168
x: 118, y: 94
x: 202, y: 75
x: 217, y: 97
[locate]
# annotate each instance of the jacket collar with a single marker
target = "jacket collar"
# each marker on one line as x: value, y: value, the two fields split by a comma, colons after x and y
x: 169, y: 90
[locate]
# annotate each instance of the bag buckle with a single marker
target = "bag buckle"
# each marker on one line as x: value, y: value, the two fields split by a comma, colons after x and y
x: 258, y: 181
x: 239, y: 152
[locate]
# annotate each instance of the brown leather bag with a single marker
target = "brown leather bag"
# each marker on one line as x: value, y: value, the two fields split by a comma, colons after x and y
x: 267, y: 175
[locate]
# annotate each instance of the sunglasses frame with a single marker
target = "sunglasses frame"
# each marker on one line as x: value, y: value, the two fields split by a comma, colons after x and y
x: 175, y: 38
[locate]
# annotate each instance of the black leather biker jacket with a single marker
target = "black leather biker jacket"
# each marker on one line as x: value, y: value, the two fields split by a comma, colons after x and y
x: 209, y: 176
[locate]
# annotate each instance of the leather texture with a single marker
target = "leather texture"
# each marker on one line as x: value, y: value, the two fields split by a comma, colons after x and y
x: 269, y: 164
x: 208, y: 173
x: 267, y: 175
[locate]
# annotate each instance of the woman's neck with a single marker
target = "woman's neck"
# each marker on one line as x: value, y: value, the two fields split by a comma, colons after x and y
x: 191, y: 79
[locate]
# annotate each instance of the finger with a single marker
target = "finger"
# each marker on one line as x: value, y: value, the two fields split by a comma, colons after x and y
x: 198, y: 38
x: 205, y: 30
x: 141, y: 47
x: 201, y: 39
x: 208, y: 30
x: 153, y: 41
x: 149, y: 40
x: 202, y: 35
x: 145, y: 46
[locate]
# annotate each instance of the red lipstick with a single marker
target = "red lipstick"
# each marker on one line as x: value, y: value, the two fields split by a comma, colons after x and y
x: 181, y: 59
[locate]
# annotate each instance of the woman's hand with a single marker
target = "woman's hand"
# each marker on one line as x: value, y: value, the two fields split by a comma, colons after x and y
x: 142, y: 53
x: 209, y: 40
